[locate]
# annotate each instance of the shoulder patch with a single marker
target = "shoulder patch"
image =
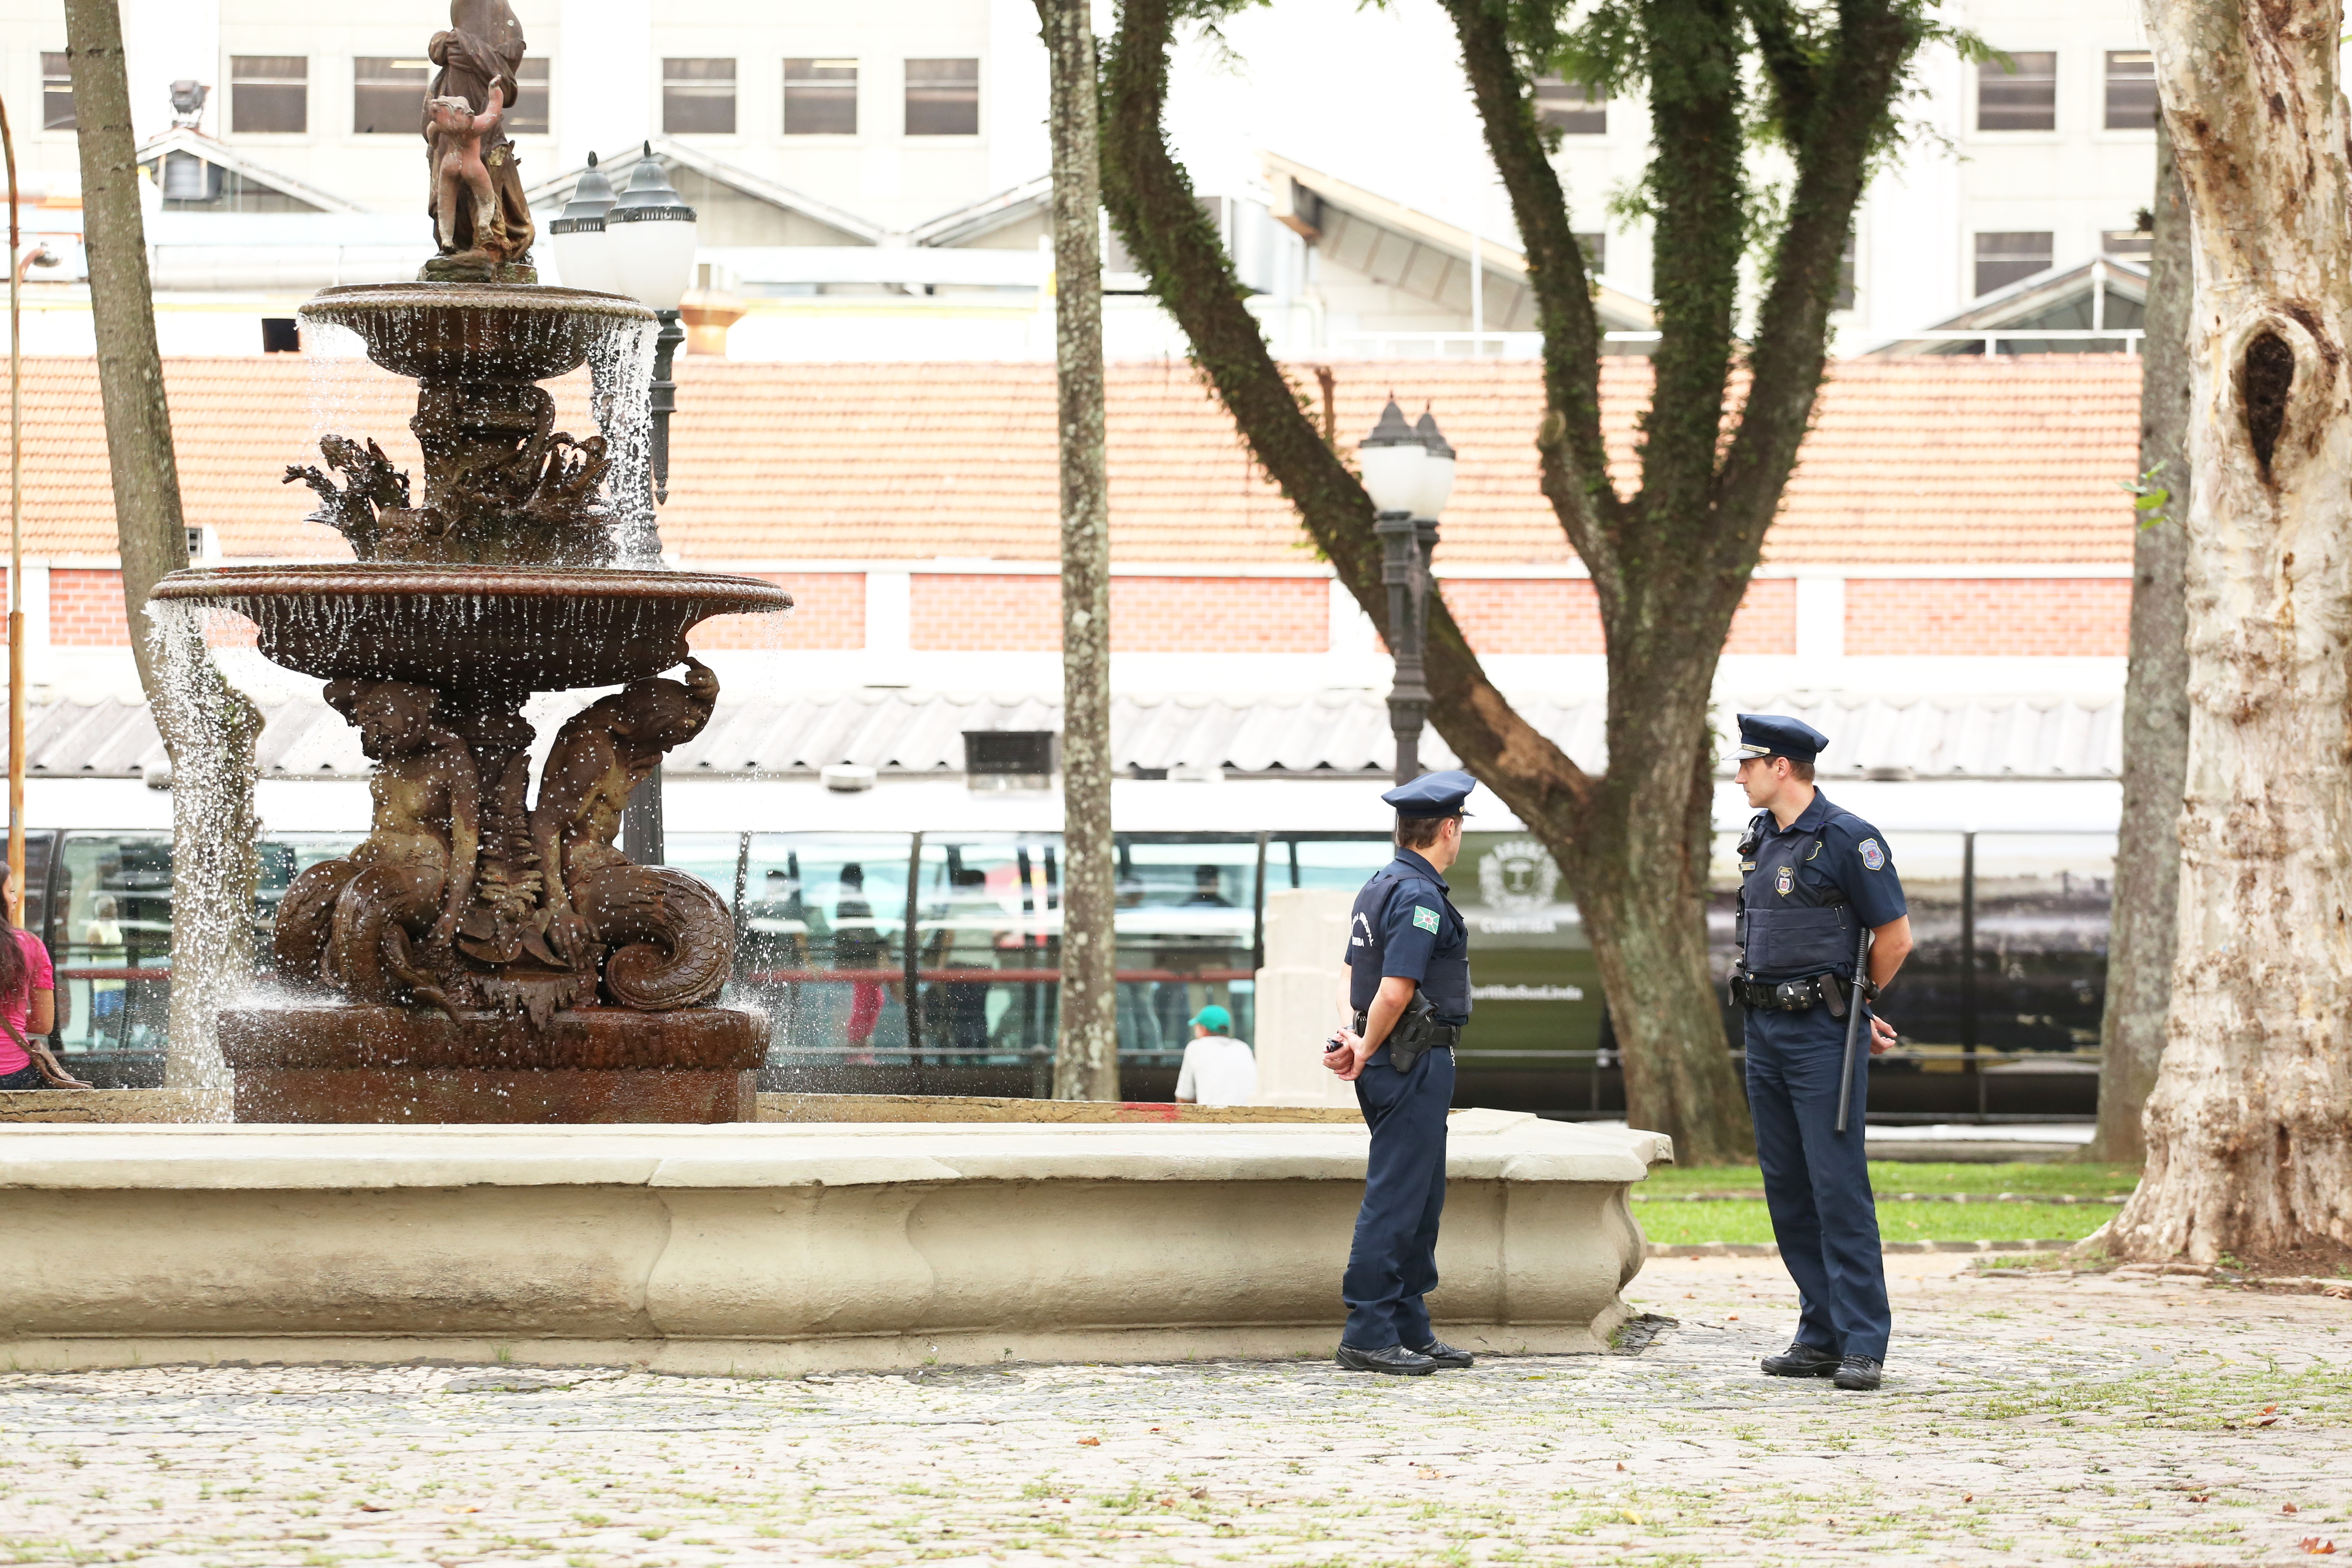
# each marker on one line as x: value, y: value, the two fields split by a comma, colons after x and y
x: 1872, y: 856
x: 1425, y: 917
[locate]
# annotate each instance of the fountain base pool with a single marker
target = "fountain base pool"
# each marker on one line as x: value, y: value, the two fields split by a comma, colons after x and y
x: 779, y: 1248
x: 377, y: 1064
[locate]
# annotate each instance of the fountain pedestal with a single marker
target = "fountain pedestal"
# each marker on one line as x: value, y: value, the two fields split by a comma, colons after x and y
x: 395, y: 1065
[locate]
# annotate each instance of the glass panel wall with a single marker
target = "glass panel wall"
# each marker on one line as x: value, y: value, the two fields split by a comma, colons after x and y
x: 821, y: 921
x: 113, y: 951
x: 1187, y: 935
x: 987, y: 947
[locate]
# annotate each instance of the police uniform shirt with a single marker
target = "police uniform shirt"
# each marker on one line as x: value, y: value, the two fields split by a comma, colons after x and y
x: 1827, y: 856
x: 1404, y: 926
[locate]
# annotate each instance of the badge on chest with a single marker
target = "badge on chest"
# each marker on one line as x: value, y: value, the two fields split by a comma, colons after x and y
x: 1785, y: 879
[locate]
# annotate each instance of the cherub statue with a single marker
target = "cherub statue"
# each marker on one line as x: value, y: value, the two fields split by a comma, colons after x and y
x: 480, y: 55
x: 465, y: 202
x: 415, y: 873
x: 601, y: 755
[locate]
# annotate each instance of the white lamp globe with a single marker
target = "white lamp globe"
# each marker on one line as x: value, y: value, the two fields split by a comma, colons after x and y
x: 650, y: 234
x: 582, y: 256
x: 1437, y: 471
x: 1392, y: 458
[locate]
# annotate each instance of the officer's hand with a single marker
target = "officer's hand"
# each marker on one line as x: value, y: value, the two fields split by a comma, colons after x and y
x: 1345, y: 1055
x: 1882, y: 1038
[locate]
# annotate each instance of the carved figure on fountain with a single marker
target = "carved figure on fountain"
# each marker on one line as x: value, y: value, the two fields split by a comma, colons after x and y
x: 679, y: 938
x: 480, y: 217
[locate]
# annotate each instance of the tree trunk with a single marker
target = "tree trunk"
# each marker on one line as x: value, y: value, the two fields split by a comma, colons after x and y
x: 208, y: 726
x: 2155, y: 700
x: 2249, y: 1125
x: 1085, y: 1055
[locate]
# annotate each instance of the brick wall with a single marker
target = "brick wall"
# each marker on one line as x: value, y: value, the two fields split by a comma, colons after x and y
x: 985, y: 614
x: 1989, y: 616
x: 828, y: 611
x: 1552, y: 615
x: 86, y: 609
x: 1148, y: 614
x: 1766, y: 621
x: 1219, y: 614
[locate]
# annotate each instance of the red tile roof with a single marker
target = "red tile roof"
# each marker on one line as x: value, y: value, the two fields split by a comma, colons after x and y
x: 1919, y: 460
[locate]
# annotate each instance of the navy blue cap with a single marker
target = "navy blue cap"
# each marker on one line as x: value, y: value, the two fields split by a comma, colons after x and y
x: 1777, y: 735
x: 1432, y: 795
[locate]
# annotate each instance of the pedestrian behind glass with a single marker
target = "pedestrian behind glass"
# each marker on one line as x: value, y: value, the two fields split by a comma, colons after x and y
x: 1405, y: 996
x: 28, y: 1009
x: 1814, y: 878
x: 1218, y: 1068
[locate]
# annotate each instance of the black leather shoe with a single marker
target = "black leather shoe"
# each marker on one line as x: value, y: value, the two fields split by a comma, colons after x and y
x: 1394, y: 1359
x: 1858, y: 1373
x: 1802, y: 1360
x: 1445, y: 1354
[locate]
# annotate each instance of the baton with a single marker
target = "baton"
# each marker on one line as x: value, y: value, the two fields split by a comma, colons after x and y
x: 1852, y: 1025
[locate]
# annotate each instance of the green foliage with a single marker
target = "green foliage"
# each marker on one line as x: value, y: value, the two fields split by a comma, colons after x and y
x: 2040, y: 1179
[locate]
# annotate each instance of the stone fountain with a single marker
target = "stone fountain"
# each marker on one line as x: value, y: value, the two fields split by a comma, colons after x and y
x: 488, y: 955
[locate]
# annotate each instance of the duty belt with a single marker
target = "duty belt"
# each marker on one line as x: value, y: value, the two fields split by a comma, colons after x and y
x: 1412, y: 1034
x: 1791, y: 996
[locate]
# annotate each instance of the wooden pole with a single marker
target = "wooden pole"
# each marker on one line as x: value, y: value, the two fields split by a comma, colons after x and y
x: 16, y: 542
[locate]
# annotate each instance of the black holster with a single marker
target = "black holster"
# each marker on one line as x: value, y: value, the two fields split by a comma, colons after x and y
x: 1415, y: 1034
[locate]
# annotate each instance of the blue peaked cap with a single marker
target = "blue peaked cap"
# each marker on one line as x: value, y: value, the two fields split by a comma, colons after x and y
x: 1432, y: 795
x: 1777, y: 735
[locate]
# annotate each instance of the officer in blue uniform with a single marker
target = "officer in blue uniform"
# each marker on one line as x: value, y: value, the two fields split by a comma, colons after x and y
x: 1406, y: 995
x: 1814, y: 877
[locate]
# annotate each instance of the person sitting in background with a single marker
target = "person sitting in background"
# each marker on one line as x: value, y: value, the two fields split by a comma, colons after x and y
x: 28, y: 1009
x: 858, y: 945
x: 1206, y: 886
x: 1218, y: 1068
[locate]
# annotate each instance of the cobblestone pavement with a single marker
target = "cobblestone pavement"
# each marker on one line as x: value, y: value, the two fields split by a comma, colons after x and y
x: 2025, y: 1420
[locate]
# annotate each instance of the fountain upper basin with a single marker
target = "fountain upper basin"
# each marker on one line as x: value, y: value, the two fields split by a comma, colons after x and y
x: 492, y: 332
x: 536, y: 628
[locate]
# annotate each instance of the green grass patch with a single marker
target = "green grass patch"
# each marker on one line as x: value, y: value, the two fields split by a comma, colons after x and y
x: 2075, y: 1180
x: 1681, y: 1224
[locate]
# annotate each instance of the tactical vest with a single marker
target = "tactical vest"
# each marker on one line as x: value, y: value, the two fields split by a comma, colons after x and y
x: 1787, y: 926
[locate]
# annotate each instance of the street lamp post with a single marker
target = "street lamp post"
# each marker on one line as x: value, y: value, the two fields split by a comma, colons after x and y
x: 1409, y: 473
x: 641, y: 242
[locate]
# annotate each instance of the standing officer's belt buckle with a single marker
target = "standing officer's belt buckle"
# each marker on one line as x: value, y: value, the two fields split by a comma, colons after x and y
x: 1793, y: 996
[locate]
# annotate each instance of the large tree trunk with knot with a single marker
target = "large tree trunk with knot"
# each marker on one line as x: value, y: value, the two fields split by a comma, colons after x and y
x: 2249, y: 1128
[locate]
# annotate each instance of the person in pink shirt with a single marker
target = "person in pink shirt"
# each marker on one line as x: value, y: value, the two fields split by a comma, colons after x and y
x: 28, y: 1005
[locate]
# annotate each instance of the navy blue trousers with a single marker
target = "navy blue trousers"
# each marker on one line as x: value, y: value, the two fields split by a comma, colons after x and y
x: 1817, y: 1179
x: 1393, y: 1263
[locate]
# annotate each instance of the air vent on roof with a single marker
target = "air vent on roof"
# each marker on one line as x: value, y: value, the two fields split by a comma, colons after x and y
x: 1009, y: 759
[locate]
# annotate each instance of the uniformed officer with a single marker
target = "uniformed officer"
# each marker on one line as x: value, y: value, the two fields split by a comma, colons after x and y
x: 1405, y: 995
x: 1812, y: 877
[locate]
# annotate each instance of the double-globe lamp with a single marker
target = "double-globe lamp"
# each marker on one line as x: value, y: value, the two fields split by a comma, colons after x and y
x: 1408, y: 471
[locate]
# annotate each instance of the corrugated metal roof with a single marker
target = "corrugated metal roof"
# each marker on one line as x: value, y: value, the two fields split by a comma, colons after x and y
x: 907, y: 732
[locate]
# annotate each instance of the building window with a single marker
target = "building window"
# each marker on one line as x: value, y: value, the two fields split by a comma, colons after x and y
x: 269, y: 95
x: 192, y: 186
x: 1843, y: 298
x: 2131, y: 89
x: 2022, y: 95
x: 1595, y: 247
x: 280, y: 335
x: 2128, y: 244
x: 1571, y: 107
x: 2003, y: 258
x: 699, y: 98
x: 57, y: 93
x: 942, y: 98
x: 529, y: 115
x: 388, y: 94
x: 820, y: 98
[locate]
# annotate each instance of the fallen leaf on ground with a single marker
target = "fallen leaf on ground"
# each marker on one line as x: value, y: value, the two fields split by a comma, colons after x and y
x: 2286, y: 1508
x: 1200, y: 1492
x: 2316, y: 1547
x: 374, y: 1508
x: 1629, y: 1516
x: 1090, y: 1442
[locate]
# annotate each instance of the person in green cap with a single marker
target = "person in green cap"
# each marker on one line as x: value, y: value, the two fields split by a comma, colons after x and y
x: 1218, y: 1068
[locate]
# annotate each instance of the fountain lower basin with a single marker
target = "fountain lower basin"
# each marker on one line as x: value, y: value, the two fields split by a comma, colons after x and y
x: 779, y: 1248
x: 393, y: 1065
x: 529, y: 628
